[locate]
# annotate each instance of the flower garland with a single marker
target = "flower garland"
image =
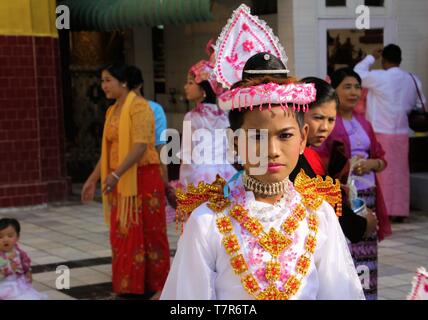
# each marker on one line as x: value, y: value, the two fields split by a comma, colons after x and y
x: 273, y: 242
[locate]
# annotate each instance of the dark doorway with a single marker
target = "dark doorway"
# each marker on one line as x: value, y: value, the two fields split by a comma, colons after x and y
x: 83, y: 55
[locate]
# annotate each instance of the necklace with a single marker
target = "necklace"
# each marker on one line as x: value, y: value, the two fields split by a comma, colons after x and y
x: 266, y: 189
x: 274, y: 243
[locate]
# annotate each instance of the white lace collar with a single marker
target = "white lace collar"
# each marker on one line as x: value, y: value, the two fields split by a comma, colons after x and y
x: 266, y: 212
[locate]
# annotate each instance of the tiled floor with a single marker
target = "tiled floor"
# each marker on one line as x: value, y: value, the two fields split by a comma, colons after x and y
x: 75, y: 236
x: 400, y: 256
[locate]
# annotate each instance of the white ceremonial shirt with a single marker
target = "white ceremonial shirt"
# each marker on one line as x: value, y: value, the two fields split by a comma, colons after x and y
x: 391, y: 96
x: 206, y: 146
x: 201, y: 268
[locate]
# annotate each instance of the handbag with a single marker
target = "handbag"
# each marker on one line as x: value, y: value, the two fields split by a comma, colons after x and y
x: 418, y: 118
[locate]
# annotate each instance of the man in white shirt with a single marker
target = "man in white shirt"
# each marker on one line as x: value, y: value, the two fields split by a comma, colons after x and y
x: 391, y: 95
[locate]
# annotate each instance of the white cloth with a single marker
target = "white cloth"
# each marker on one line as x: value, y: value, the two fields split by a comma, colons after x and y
x: 201, y: 267
x: 205, y: 118
x: 14, y: 265
x: 391, y: 96
x: 17, y: 288
x: 419, y: 286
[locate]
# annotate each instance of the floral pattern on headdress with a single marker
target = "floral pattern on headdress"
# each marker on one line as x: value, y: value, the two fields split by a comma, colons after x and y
x: 244, y: 36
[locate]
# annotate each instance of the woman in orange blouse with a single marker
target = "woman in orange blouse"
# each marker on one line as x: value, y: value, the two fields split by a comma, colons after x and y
x: 132, y: 188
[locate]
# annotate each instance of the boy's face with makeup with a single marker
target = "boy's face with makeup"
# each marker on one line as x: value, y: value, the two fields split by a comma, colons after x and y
x: 285, y: 141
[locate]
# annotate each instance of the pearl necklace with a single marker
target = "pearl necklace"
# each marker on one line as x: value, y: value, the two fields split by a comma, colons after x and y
x: 265, y: 189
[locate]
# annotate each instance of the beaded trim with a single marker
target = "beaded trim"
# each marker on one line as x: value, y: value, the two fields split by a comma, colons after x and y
x: 266, y: 189
x: 293, y: 96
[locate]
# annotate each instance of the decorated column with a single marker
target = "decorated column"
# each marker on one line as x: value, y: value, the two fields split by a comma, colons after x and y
x: 32, y: 165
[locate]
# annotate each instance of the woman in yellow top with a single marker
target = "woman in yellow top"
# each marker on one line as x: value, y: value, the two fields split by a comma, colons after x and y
x: 132, y: 188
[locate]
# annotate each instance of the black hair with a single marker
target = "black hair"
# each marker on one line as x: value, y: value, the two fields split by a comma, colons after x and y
x: 263, y: 61
x: 236, y: 118
x: 10, y: 222
x: 210, y: 96
x: 135, y: 77
x: 130, y: 75
x: 392, y: 53
x: 325, y: 92
x: 340, y: 74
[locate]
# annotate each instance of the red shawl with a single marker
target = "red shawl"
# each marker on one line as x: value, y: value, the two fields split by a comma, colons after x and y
x: 314, y: 161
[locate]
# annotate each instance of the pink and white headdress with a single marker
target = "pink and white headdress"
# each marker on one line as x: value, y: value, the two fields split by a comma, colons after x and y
x: 244, y: 36
x: 203, y: 70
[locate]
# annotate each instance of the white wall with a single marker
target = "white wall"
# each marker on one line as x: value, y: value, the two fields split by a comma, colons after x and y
x: 286, y: 31
x: 412, y: 18
x: 306, y: 37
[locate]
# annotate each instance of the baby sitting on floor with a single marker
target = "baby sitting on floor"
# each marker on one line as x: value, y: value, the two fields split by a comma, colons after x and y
x: 15, y: 265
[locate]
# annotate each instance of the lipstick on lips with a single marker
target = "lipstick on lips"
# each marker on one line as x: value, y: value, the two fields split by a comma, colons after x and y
x: 274, y: 167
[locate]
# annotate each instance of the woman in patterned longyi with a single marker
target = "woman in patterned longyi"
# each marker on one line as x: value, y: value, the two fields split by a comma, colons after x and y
x: 133, y: 189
